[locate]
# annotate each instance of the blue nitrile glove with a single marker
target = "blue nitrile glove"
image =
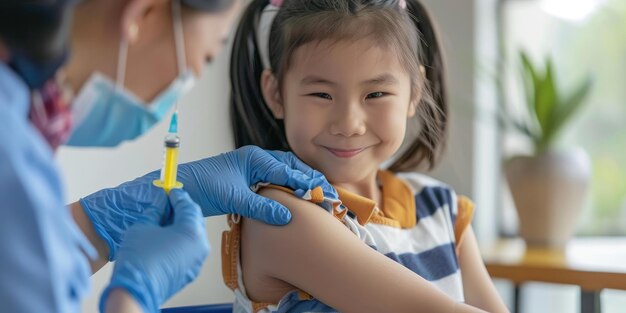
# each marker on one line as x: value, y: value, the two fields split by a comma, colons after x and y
x: 154, y: 262
x: 219, y: 184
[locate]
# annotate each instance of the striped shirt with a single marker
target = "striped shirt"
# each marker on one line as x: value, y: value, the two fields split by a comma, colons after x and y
x: 420, y: 226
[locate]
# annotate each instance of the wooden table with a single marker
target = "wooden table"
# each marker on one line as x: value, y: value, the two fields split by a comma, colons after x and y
x: 594, y: 264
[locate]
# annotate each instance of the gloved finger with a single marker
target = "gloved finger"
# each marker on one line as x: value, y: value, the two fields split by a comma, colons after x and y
x: 297, y: 180
x: 263, y: 209
x: 186, y: 212
x: 292, y: 161
x: 278, y: 173
x: 151, y: 215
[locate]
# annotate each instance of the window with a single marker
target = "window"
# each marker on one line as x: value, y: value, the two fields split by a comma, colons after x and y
x: 595, y: 45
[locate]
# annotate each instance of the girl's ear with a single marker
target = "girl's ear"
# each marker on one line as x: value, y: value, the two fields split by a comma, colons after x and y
x: 416, y: 97
x: 412, y: 107
x: 271, y: 94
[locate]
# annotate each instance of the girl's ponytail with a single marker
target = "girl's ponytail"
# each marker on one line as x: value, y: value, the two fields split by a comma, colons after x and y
x: 433, y: 106
x: 249, y: 113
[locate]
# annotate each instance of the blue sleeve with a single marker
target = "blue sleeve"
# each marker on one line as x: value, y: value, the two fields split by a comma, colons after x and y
x: 43, y: 262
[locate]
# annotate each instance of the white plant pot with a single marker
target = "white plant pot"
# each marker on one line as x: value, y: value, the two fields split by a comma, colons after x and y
x: 549, y: 191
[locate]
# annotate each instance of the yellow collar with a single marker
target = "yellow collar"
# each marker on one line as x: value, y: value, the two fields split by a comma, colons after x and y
x: 398, y: 203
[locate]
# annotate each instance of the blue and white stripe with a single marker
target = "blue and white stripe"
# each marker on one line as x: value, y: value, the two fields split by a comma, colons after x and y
x: 428, y: 248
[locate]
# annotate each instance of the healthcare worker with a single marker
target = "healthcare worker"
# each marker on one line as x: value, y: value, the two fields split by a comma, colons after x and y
x: 130, y: 61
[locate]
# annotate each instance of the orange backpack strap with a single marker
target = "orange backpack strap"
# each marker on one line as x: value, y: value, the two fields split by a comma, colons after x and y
x: 231, y: 241
x: 464, y: 217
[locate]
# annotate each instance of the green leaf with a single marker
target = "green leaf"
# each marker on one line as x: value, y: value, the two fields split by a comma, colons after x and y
x: 546, y: 100
x: 530, y: 80
x: 567, y: 108
x: 532, y: 85
x: 548, y: 109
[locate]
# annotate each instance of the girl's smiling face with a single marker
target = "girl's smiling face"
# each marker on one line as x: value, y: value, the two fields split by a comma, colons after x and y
x: 345, y: 107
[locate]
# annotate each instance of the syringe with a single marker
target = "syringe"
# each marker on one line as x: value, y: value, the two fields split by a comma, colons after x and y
x: 170, y: 162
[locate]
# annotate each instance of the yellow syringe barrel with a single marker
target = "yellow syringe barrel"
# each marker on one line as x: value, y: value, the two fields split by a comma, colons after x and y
x: 170, y: 165
x: 170, y: 168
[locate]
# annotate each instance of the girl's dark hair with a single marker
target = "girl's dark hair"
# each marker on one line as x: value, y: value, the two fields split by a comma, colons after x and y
x: 408, y: 32
x: 208, y: 5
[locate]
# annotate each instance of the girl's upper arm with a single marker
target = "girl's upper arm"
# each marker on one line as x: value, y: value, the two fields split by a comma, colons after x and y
x: 86, y: 226
x: 477, y: 285
x: 319, y: 255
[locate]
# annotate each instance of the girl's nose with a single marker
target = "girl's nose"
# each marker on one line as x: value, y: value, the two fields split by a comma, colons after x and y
x: 348, y: 120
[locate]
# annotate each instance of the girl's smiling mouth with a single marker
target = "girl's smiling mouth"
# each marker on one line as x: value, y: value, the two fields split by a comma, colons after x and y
x: 344, y: 153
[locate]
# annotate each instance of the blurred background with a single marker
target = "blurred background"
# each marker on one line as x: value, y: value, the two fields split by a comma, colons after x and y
x: 585, y: 40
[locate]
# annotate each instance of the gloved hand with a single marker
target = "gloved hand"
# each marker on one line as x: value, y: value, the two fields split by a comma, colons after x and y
x: 154, y: 262
x: 219, y: 184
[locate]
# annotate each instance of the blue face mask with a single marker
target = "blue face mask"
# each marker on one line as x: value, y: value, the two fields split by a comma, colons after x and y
x: 106, y: 114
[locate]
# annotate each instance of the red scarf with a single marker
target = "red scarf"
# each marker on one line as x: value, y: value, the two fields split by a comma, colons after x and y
x: 50, y: 113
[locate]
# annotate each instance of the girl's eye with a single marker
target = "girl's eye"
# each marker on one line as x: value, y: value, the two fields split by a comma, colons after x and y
x: 374, y: 95
x: 322, y: 95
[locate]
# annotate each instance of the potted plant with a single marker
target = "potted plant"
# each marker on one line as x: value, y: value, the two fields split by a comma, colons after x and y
x: 549, y: 187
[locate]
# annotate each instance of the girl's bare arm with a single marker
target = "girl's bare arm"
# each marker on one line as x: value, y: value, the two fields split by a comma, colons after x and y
x: 477, y: 285
x: 86, y: 226
x: 319, y: 255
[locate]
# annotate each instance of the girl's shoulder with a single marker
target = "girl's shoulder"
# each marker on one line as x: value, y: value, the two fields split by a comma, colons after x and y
x: 418, y: 182
x: 431, y: 194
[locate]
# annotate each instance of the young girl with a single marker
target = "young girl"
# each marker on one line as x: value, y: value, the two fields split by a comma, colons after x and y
x: 346, y: 80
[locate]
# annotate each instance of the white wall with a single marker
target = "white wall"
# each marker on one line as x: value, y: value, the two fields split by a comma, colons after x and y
x: 204, y: 131
x: 456, y: 30
x: 471, y: 161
